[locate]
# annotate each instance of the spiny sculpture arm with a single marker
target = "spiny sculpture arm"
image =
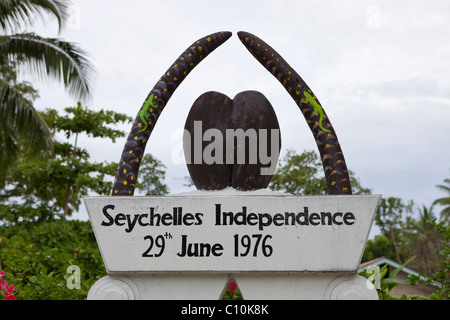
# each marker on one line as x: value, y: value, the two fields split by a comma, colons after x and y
x: 336, y: 173
x: 154, y: 104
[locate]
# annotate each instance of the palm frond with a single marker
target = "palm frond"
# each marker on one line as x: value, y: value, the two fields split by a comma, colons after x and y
x: 443, y: 187
x: 15, y: 13
x: 20, y: 123
x: 52, y: 58
x: 9, y: 150
x: 444, y: 201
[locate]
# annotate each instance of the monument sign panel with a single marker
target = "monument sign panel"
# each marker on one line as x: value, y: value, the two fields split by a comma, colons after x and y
x: 228, y: 233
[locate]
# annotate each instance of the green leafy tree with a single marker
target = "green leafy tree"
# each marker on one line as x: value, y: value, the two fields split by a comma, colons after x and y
x: 440, y: 278
x: 36, y: 256
x: 393, y: 218
x: 423, y: 241
x: 151, y: 177
x: 38, y: 245
x: 67, y: 174
x: 379, y: 246
x: 20, y: 123
x: 303, y: 174
x: 27, y: 130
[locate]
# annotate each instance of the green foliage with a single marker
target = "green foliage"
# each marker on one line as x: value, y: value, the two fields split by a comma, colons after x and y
x: 36, y: 255
x: 45, y: 57
x: 444, y: 201
x: 403, y: 236
x: 151, y: 176
x: 68, y: 174
x: 385, y: 282
x: 302, y: 174
x: 380, y: 246
x: 424, y: 242
x: 80, y: 119
x: 440, y: 278
x: 37, y: 242
x: 55, y: 59
x: 21, y: 126
x: 443, y: 275
x: 232, y: 292
x: 16, y: 13
x: 393, y: 218
x: 230, y: 295
x: 299, y: 174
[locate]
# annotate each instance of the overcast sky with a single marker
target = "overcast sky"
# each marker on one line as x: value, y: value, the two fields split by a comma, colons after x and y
x: 381, y: 69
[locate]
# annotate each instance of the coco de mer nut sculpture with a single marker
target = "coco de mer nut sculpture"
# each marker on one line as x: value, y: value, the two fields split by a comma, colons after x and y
x: 335, y: 168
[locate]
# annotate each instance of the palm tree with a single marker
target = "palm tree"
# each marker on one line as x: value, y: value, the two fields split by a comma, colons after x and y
x: 425, y: 241
x: 445, y: 201
x: 20, y: 123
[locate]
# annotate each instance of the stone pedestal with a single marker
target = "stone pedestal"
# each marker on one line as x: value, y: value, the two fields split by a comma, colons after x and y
x: 256, y: 286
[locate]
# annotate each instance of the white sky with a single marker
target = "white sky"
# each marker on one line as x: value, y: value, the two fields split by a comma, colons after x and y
x: 381, y: 69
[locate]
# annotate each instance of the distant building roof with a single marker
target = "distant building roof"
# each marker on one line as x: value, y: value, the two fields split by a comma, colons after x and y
x: 383, y: 261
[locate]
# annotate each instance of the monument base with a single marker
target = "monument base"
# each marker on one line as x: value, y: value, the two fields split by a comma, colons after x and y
x: 254, y: 286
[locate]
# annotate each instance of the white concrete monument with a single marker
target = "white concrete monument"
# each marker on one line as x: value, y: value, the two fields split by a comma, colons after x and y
x: 301, y: 247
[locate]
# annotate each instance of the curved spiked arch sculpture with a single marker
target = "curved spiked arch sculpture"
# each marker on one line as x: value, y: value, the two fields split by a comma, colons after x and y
x: 336, y: 173
x: 149, y: 113
x: 333, y: 161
